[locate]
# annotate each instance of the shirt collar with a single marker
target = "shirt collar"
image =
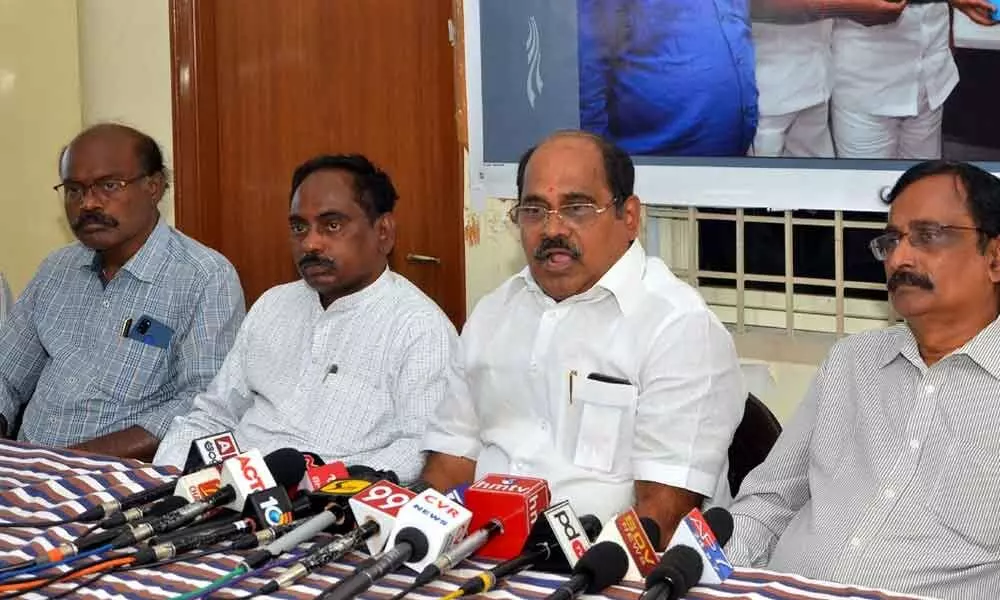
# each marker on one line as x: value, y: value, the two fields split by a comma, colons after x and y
x: 144, y: 264
x: 360, y: 297
x: 984, y: 348
x: 623, y: 280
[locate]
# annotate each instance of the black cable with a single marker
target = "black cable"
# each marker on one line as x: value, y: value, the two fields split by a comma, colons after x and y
x: 36, y: 524
x: 170, y: 561
x: 24, y: 564
x: 81, y: 585
x: 47, y: 581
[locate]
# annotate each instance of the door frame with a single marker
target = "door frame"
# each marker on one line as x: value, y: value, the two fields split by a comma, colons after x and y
x: 194, y: 99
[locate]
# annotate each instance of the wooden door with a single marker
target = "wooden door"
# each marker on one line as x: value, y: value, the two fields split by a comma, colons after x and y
x: 262, y: 85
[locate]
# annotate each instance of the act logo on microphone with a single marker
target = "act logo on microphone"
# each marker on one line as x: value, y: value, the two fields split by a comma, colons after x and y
x: 250, y: 473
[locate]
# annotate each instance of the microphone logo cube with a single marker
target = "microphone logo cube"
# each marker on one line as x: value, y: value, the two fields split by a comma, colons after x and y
x: 210, y: 450
x: 709, y: 544
x: 516, y: 501
x: 379, y: 502
x: 270, y: 507
x: 443, y: 522
x: 568, y: 531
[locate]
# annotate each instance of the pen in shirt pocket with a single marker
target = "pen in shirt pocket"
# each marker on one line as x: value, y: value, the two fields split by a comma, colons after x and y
x: 126, y: 327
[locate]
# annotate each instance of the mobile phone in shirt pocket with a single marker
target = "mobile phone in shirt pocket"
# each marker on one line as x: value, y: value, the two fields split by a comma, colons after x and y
x: 149, y: 331
x: 600, y: 422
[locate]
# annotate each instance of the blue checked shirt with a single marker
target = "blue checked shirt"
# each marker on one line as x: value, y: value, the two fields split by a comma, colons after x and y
x: 63, y: 354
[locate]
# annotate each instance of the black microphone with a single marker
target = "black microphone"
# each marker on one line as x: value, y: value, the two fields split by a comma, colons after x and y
x: 98, y: 539
x: 411, y: 545
x: 286, y: 466
x: 603, y: 565
x: 536, y: 552
x: 193, y: 541
x: 155, y: 509
x: 679, y: 570
x: 139, y: 498
x: 720, y: 521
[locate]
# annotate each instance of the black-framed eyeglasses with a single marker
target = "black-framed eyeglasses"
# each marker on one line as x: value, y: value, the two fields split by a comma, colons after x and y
x: 575, y: 215
x: 104, y: 188
x: 923, y: 235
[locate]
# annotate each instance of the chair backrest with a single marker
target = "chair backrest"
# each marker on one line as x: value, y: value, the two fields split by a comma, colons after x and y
x: 6, y: 300
x: 753, y: 440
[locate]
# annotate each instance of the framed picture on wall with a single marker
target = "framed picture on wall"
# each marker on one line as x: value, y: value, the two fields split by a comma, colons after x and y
x: 734, y: 103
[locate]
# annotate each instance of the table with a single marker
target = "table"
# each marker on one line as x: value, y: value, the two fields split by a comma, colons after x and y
x: 44, y: 484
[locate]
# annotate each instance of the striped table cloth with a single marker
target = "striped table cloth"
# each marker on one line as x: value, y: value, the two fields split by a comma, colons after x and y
x: 44, y: 484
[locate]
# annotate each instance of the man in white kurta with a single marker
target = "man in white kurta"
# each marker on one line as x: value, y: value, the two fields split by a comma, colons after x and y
x: 348, y: 362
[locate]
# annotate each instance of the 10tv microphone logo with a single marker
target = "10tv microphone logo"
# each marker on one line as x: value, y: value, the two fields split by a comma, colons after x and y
x: 271, y: 507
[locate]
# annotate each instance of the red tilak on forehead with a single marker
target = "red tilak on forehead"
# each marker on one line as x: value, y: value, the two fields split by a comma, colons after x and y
x: 551, y: 190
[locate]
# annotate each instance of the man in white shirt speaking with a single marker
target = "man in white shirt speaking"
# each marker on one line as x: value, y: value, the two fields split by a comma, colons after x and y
x: 348, y: 362
x: 594, y: 367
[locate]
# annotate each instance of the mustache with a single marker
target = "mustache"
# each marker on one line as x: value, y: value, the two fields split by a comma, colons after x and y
x: 551, y: 244
x: 910, y: 278
x: 94, y: 218
x: 310, y: 260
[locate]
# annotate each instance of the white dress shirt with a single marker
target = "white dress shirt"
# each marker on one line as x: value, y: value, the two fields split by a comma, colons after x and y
x: 356, y: 382
x: 793, y: 65
x: 882, y: 70
x: 671, y: 423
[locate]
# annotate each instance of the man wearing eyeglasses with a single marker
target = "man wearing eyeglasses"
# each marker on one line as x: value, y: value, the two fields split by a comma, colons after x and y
x: 595, y: 367
x: 115, y: 334
x: 889, y: 473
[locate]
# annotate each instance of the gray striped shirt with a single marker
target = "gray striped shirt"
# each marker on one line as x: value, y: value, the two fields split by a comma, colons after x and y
x: 888, y: 475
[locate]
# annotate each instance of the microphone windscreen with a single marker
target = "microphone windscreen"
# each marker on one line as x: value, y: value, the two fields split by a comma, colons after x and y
x: 592, y: 526
x: 286, y: 465
x: 605, y: 562
x: 681, y: 566
x: 652, y: 530
x: 721, y: 523
x: 313, y: 460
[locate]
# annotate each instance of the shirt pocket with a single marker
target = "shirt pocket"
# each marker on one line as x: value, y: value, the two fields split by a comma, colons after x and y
x: 598, y: 429
x: 966, y: 489
x: 134, y: 370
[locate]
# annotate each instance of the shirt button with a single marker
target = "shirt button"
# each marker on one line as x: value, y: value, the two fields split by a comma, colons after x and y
x: 71, y: 380
x: 929, y: 389
x: 855, y: 541
x: 545, y: 426
x: 889, y: 494
x: 106, y: 304
x: 534, y: 366
x: 914, y: 444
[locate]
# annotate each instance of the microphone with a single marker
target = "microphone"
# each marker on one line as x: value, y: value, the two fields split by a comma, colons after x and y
x: 241, y: 475
x: 98, y: 539
x: 603, y: 565
x: 411, y: 544
x: 104, y: 509
x: 442, y: 521
x: 380, y: 502
x: 196, y: 486
x: 459, y: 552
x: 425, y: 527
x: 515, y: 501
x: 639, y: 537
x: 199, y: 539
x: 160, y: 507
x: 211, y: 449
x: 319, y: 557
x: 544, y: 548
x: 679, y: 570
x: 320, y: 475
x: 706, y: 534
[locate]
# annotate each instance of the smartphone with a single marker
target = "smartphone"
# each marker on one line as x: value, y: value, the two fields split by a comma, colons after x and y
x: 149, y: 331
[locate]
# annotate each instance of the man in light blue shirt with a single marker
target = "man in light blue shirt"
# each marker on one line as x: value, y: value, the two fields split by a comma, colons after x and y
x: 115, y: 334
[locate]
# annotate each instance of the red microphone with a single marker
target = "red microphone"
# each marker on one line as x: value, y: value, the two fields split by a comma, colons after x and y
x: 515, y: 501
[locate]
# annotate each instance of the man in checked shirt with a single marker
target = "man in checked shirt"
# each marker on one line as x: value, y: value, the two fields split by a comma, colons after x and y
x: 889, y: 473
x: 116, y: 333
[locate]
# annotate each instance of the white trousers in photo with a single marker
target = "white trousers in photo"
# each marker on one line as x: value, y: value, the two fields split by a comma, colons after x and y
x: 803, y: 133
x: 862, y: 135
